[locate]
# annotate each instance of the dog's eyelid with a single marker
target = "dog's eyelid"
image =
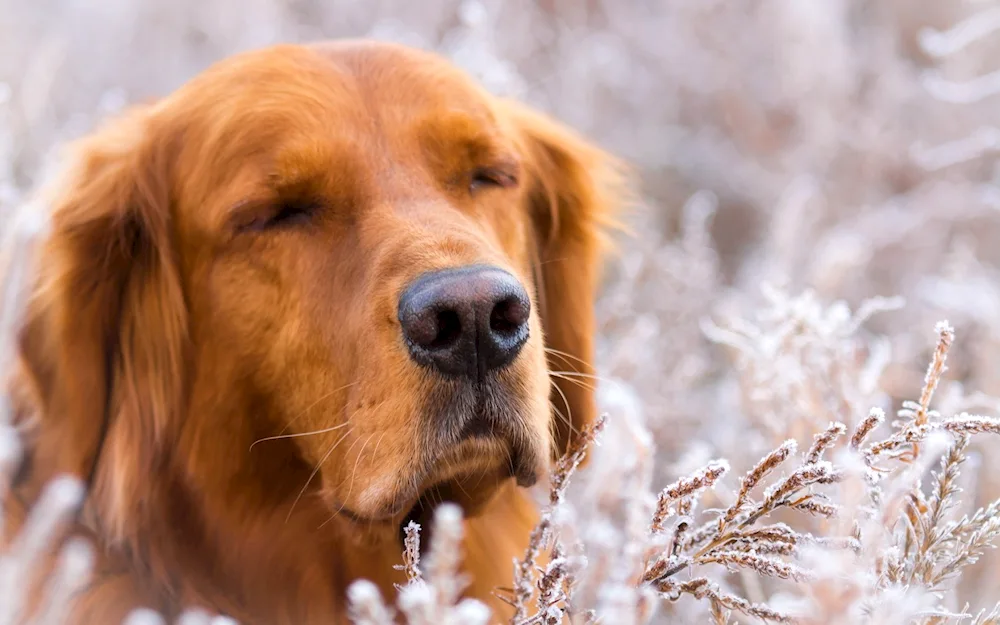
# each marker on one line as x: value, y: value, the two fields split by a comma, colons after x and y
x: 503, y: 176
x: 258, y: 216
x: 293, y: 212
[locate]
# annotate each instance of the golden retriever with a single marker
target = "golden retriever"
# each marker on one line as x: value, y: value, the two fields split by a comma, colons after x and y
x: 304, y: 298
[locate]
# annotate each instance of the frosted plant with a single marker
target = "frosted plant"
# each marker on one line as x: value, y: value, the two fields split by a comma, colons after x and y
x: 43, y: 527
x: 798, y: 361
x: 431, y: 596
x: 895, y: 548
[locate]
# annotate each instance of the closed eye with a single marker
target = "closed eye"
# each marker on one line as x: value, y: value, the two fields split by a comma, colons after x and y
x: 491, y: 177
x: 293, y: 213
x: 285, y: 215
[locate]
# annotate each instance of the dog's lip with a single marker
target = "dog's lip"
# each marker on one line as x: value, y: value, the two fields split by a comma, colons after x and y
x: 383, y: 517
x: 457, y: 463
x: 479, y: 455
x: 525, y: 478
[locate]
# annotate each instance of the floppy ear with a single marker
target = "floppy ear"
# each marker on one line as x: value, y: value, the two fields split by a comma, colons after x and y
x: 576, y: 191
x: 102, y: 339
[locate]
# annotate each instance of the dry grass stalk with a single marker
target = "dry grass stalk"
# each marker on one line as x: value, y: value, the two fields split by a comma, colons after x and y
x: 703, y: 588
x: 366, y: 605
x: 433, y: 596
x: 931, y: 550
x: 411, y: 553
x: 44, y: 528
x: 683, y: 489
x: 875, y: 418
x: 936, y: 368
x: 824, y: 440
x: 524, y: 570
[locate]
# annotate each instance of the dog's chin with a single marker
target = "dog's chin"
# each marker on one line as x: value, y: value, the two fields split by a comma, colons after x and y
x: 486, y: 443
x: 471, y: 492
x: 470, y: 475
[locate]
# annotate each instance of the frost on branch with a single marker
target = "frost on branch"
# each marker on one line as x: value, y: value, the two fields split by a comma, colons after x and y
x: 42, y: 532
x: 431, y: 596
x: 888, y: 551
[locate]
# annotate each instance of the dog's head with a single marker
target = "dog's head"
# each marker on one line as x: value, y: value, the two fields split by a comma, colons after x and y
x: 343, y: 271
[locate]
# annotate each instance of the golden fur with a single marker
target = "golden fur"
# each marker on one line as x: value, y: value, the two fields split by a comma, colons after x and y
x: 168, y: 301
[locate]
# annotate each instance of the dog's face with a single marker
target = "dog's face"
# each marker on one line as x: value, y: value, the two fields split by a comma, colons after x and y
x: 365, y: 268
x: 348, y: 256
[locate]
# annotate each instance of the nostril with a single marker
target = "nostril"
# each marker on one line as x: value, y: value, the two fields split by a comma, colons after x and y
x: 508, y: 316
x: 433, y: 330
x: 420, y: 329
x: 449, y: 329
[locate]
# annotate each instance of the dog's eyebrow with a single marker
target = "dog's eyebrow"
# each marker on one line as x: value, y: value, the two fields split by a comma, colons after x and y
x: 303, y: 167
x: 457, y: 138
x: 457, y: 126
x: 298, y: 171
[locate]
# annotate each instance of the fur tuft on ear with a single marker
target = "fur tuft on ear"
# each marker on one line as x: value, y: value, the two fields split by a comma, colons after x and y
x: 102, y: 340
x: 577, y: 192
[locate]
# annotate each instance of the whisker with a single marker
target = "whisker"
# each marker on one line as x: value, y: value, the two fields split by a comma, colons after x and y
x: 462, y: 488
x: 566, y: 356
x: 373, y: 457
x: 296, y: 435
x: 510, y: 468
x: 323, y: 397
x: 348, y: 452
x: 435, y: 495
x: 569, y: 411
x: 314, y: 472
x: 566, y: 375
x: 579, y: 374
x: 482, y: 474
x: 357, y: 461
x: 568, y: 359
x: 554, y: 260
x: 562, y: 417
x: 354, y: 473
x: 510, y: 460
x: 380, y: 404
x: 377, y: 443
x: 580, y: 383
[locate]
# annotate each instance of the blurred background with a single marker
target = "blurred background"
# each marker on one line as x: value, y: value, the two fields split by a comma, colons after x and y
x: 836, y: 150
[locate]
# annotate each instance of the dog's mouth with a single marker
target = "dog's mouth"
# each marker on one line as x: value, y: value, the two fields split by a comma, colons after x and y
x: 481, y: 439
x: 422, y: 511
x: 469, y: 475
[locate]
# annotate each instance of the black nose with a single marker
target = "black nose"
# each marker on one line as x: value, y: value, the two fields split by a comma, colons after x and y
x: 465, y: 322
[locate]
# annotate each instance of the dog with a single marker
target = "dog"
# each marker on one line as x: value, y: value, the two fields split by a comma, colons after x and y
x: 298, y: 302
